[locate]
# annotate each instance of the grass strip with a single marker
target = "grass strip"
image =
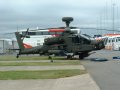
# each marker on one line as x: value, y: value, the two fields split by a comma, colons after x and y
x: 10, y: 57
x: 55, y: 63
x: 45, y: 74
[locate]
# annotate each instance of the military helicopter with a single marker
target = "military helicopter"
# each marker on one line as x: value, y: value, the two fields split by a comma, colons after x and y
x: 67, y: 43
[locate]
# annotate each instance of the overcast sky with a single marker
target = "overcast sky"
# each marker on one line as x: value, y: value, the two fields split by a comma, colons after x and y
x: 24, y: 14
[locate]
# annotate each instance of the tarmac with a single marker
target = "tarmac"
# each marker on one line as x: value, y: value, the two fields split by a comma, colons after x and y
x: 80, y: 82
x: 106, y: 74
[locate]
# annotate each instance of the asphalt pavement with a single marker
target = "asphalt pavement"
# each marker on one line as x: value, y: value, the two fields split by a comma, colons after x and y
x: 106, y: 74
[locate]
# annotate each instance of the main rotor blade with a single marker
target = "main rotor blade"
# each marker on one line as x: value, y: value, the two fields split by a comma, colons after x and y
x: 25, y: 34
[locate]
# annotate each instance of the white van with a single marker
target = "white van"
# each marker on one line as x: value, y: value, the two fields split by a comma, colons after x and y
x: 112, y: 43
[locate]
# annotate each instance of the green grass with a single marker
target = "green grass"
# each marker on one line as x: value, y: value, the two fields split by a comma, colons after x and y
x: 46, y: 74
x: 10, y: 57
x: 54, y: 63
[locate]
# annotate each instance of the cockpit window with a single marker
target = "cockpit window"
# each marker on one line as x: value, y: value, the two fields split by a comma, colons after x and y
x: 81, y: 39
x: 85, y: 39
x: 86, y: 36
x: 76, y: 39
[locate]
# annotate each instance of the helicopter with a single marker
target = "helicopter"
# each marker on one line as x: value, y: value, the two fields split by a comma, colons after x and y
x: 67, y: 43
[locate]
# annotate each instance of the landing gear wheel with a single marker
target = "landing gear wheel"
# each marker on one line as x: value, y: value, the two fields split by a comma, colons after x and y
x: 49, y: 57
x: 17, y: 56
x: 69, y: 57
x: 81, y: 56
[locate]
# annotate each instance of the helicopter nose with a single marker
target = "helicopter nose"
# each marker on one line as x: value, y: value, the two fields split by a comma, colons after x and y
x: 99, y: 45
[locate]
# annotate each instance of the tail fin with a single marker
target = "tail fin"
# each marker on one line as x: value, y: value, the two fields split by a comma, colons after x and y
x: 19, y: 40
